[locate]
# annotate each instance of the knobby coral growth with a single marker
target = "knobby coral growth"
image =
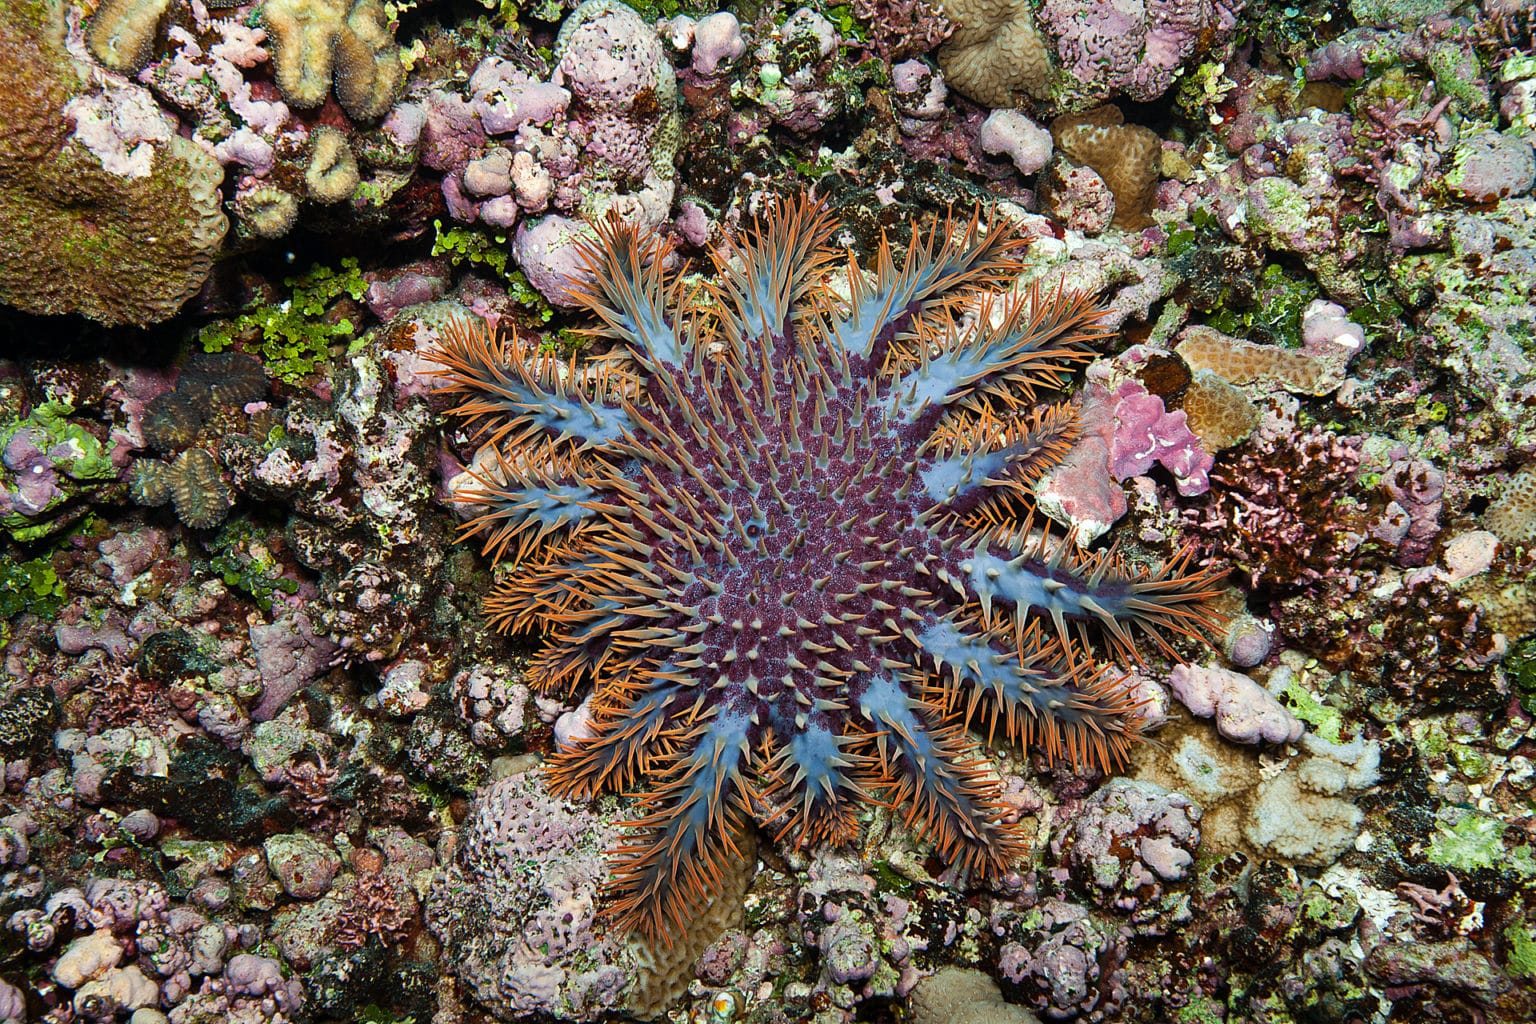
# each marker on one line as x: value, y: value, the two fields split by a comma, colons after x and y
x: 789, y: 550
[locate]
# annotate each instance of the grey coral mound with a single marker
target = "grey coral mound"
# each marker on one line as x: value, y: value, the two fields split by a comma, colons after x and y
x: 958, y: 995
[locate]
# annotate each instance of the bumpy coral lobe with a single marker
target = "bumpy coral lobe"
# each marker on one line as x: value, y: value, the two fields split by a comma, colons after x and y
x: 786, y: 546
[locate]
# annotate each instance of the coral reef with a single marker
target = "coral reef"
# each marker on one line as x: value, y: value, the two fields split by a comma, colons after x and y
x: 774, y: 726
x: 1125, y: 156
x: 882, y: 319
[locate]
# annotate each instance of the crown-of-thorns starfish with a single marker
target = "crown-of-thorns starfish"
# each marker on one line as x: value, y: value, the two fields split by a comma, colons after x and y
x: 788, y: 539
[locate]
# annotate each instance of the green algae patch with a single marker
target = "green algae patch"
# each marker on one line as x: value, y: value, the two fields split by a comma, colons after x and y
x: 31, y: 586
x: 1522, y: 951
x: 1327, y: 722
x: 1473, y: 842
x: 75, y: 460
x: 295, y: 336
x: 474, y: 247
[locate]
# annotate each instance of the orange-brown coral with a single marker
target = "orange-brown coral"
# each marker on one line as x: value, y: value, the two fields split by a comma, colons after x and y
x: 316, y: 41
x: 1219, y: 413
x: 1126, y: 156
x: 1243, y: 362
x: 996, y: 54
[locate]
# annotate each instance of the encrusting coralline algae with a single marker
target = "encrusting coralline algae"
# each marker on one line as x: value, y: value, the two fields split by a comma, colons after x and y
x: 1143, y: 578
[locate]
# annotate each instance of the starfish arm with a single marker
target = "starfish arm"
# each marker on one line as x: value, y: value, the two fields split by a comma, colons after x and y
x: 807, y: 788
x: 523, y: 506
x: 625, y: 288
x: 782, y: 255
x: 526, y: 393
x: 1046, y: 577
x: 1033, y: 341
x: 1073, y: 712
x: 937, y: 265
x: 930, y: 776
x: 616, y: 754
x: 974, y: 457
x: 673, y: 861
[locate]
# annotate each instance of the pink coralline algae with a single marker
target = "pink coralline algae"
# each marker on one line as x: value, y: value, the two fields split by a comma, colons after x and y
x: 602, y: 129
x: 1133, y: 47
x: 803, y: 99
x: 1147, y: 434
x: 1023, y: 141
x: 1068, y: 965
x: 919, y: 95
x: 1489, y: 166
x: 135, y: 948
x: 714, y: 42
x: 517, y: 908
x: 291, y: 655
x: 860, y: 933
x: 1244, y: 711
x: 1412, y: 520
x: 549, y: 252
x: 1129, y: 843
x: 1077, y: 198
x: 1281, y: 512
x: 1125, y: 432
x: 622, y: 86
x: 36, y: 485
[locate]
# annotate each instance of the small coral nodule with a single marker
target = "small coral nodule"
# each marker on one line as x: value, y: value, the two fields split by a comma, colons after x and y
x: 790, y: 551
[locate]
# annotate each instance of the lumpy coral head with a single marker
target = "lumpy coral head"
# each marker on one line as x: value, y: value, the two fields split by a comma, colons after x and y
x: 788, y: 540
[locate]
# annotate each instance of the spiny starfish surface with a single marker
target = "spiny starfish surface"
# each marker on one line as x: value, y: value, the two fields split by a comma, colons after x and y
x: 788, y: 538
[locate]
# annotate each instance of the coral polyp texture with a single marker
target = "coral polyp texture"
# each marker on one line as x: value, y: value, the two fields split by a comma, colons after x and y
x: 788, y: 538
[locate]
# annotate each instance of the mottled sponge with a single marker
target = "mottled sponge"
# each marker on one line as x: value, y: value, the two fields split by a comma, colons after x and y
x: 1512, y: 516
x: 1126, y: 156
x: 125, y: 245
x: 996, y: 55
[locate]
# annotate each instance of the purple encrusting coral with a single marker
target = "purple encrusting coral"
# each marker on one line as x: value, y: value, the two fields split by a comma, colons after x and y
x: 790, y: 554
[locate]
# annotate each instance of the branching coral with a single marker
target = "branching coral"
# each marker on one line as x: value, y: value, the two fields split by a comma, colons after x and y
x: 1281, y: 514
x: 788, y: 552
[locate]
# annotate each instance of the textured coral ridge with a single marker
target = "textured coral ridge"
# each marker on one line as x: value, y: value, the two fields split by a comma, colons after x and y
x: 788, y: 550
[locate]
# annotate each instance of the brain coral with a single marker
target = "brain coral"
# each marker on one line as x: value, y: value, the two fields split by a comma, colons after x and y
x: 121, y: 228
x: 1126, y: 156
x: 316, y: 41
x: 996, y: 54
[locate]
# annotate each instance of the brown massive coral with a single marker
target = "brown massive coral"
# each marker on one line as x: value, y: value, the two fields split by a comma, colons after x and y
x: 996, y: 55
x: 121, y: 230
